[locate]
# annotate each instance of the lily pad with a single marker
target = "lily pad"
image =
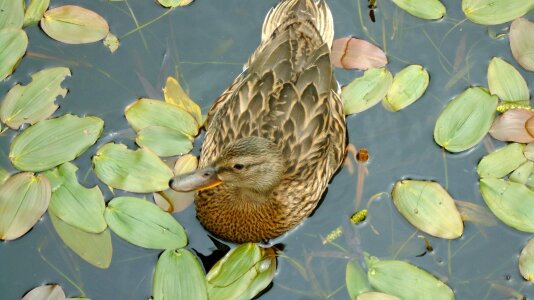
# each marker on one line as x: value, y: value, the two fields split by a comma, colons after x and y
x: 13, y: 44
x: 376, y: 296
x: 34, y: 102
x: 73, y: 24
x: 175, y: 94
x: 512, y: 126
x: 406, y: 281
x: 356, y: 279
x: 424, y: 9
x: 353, y: 53
x: 11, y: 14
x: 522, y: 173
x: 526, y: 261
x: 465, y: 120
x: 45, y: 292
x: 529, y: 151
x: 4, y: 176
x: 512, y: 203
x: 174, y: 3
x: 171, y: 282
x: 493, y: 12
x: 35, y: 11
x: 501, y: 162
x: 95, y: 248
x: 164, y: 141
x: 428, y: 207
x: 139, y: 171
x: 50, y: 143
x: 73, y: 203
x: 366, y: 91
x: 143, y: 224
x: 522, y: 42
x: 507, y: 83
x: 23, y: 200
x: 408, y: 86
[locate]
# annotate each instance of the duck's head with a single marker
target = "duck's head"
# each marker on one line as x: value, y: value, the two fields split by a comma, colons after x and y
x: 251, y: 163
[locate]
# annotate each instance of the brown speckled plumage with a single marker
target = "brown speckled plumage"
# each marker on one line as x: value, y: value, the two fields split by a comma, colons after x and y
x: 287, y: 95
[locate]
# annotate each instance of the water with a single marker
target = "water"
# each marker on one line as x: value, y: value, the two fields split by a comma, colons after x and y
x: 206, y: 44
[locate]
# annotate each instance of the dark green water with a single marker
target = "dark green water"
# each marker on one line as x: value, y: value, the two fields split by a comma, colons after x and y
x: 206, y: 44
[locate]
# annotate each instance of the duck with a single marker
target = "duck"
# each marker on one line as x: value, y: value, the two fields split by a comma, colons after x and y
x: 276, y: 136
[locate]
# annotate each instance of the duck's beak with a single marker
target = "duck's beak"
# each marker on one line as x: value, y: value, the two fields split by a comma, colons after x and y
x: 195, y: 181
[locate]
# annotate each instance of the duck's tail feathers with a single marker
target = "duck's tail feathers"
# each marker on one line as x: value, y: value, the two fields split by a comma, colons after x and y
x: 316, y: 12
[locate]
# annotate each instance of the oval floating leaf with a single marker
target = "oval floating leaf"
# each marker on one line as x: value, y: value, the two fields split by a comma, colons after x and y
x: 511, y: 126
x: 526, y: 261
x: 13, y: 44
x: 522, y: 42
x: 75, y: 204
x: 366, y: 91
x: 149, y: 112
x: 11, y: 14
x: 172, y: 201
x: 376, y: 296
x: 34, y: 11
x: 406, y: 281
x: 352, y: 53
x: 356, y: 279
x: 23, y: 200
x: 408, y: 86
x: 501, y: 162
x: 175, y: 94
x: 529, y: 151
x: 428, y: 207
x: 143, y: 224
x: 424, y: 9
x: 50, y: 143
x: 174, y: 3
x: 4, y: 175
x: 45, y: 292
x: 512, y: 203
x: 492, y: 12
x: 72, y: 24
x: 34, y: 102
x: 139, y: 171
x: 164, y: 141
x: 178, y: 275
x: 95, y: 248
x: 507, y: 83
x: 465, y: 120
x: 521, y: 174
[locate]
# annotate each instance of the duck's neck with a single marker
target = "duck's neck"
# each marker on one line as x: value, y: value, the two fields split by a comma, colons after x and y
x: 253, y: 196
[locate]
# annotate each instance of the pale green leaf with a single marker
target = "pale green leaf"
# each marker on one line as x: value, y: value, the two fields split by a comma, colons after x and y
x: 13, y: 44
x: 356, y: 279
x: 139, y: 171
x: 529, y: 151
x: 526, y: 261
x: 507, y: 83
x: 501, y: 162
x: 465, y: 120
x: 11, y: 14
x: 174, y: 3
x: 164, y: 141
x: 493, y: 12
x: 424, y: 9
x: 95, y: 248
x: 73, y: 24
x: 112, y: 42
x: 522, y: 173
x: 45, y: 292
x: 522, y: 42
x: 408, y: 86
x: 175, y: 94
x: 50, y: 143
x: 23, y: 200
x: 366, y: 91
x: 74, y: 204
x: 34, y: 11
x: 34, y: 102
x: 172, y: 201
x: 376, y: 296
x: 144, y: 224
x: 4, y: 175
x: 179, y: 276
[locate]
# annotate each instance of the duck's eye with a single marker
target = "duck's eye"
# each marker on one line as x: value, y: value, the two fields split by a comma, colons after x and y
x: 239, y: 166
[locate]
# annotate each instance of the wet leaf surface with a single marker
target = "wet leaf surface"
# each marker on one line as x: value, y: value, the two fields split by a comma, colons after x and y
x: 408, y: 86
x: 424, y: 9
x: 356, y: 279
x: 366, y: 91
x: 353, y: 53
x: 35, y: 11
x: 174, y: 3
x: 11, y: 14
x: 13, y: 43
x: 511, y: 126
x: 522, y: 42
x: 507, y: 83
x: 492, y: 12
x: 45, y: 292
x: 164, y: 141
x: 501, y: 162
x: 526, y: 261
x: 175, y: 94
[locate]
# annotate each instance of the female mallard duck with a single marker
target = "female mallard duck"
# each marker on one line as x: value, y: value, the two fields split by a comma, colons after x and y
x: 276, y: 136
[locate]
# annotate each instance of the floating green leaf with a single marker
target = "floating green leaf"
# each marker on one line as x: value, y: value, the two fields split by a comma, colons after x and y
x: 23, y: 200
x: 521, y: 174
x: 95, y: 248
x: 507, y: 83
x: 428, y: 207
x: 175, y: 94
x: 512, y: 203
x: 13, y: 44
x: 366, y: 91
x: 50, y: 143
x: 172, y: 201
x: 164, y: 141
x: 526, y: 261
x: 174, y: 3
x: 73, y: 203
x: 11, y: 14
x: 144, y: 224
x: 34, y: 102
x: 376, y: 296
x: 4, y: 175
x: 501, y: 162
x: 45, y: 292
x: 139, y: 171
x: 408, y: 86
x: 406, y: 281
x: 72, y: 24
x: 529, y: 151
x: 356, y: 279
x: 424, y: 9
x: 492, y: 12
x: 465, y: 120
x: 240, y: 274
x: 149, y: 112
x: 34, y: 11
x: 178, y: 275
x: 522, y: 42
x: 112, y: 42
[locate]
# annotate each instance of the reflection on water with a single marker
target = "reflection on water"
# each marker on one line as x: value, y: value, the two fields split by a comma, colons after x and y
x: 205, y: 45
